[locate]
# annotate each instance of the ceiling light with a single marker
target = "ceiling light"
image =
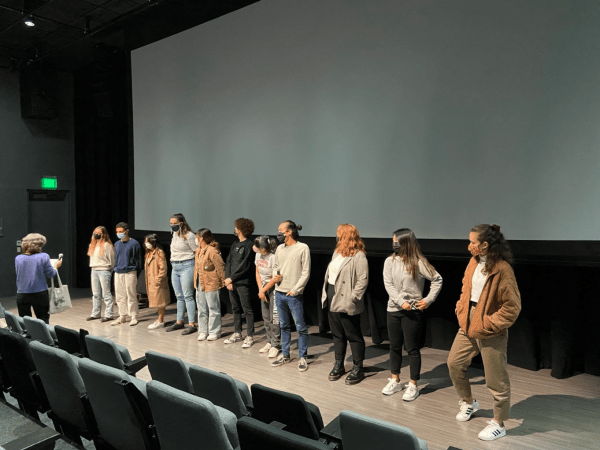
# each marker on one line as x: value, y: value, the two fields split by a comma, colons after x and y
x: 29, y: 22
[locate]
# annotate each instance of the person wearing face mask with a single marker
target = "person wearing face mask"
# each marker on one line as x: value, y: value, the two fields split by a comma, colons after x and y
x: 239, y: 273
x: 128, y: 266
x: 404, y: 275
x: 157, y: 286
x: 489, y: 304
x: 344, y: 288
x: 265, y: 247
x: 183, y: 252
x: 102, y: 261
x: 209, y: 278
x: 292, y: 269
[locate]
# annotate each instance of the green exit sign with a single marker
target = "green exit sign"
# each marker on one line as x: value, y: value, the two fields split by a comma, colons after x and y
x: 49, y: 183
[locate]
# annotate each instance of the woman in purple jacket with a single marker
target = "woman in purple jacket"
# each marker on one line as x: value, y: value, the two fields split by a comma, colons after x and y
x: 33, y: 268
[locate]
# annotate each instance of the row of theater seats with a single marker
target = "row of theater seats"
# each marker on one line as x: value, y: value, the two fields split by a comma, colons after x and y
x: 88, y: 389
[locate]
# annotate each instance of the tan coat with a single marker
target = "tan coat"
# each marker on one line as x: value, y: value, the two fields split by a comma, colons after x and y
x: 209, y: 268
x: 157, y: 285
x: 499, y: 304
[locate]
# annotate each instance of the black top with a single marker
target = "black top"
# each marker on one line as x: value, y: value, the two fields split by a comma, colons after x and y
x: 240, y: 263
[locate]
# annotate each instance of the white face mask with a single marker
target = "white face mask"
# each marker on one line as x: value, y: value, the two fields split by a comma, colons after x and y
x: 148, y: 245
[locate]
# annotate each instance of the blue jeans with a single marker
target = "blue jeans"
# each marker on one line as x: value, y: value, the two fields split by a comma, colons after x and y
x: 209, y: 312
x: 101, y: 290
x: 291, y: 306
x: 182, y: 278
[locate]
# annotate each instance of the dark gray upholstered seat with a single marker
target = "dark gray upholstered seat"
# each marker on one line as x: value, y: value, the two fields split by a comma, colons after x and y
x: 186, y: 421
x: 40, y: 331
x: 69, y: 340
x: 299, y: 416
x: 169, y: 370
x: 120, y: 406
x: 15, y: 323
x: 360, y: 432
x: 257, y: 435
x: 221, y: 389
x: 105, y: 351
x: 64, y: 388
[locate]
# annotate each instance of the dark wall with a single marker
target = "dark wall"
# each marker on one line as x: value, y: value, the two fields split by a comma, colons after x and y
x: 30, y: 149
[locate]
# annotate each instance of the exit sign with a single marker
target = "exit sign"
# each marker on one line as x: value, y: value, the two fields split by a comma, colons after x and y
x: 49, y: 183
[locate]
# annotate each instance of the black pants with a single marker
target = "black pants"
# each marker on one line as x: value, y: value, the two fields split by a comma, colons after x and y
x: 39, y: 301
x: 406, y: 326
x: 240, y: 301
x: 345, y: 328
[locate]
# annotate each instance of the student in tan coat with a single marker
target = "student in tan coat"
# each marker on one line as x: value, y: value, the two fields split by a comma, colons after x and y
x: 157, y: 285
x: 489, y: 304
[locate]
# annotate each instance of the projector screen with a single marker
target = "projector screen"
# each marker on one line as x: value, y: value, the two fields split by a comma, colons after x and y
x: 430, y: 115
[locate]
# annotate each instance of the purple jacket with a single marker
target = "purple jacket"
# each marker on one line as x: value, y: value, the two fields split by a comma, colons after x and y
x: 32, y: 271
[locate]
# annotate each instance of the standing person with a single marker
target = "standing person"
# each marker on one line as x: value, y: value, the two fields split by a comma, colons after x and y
x: 292, y: 269
x: 209, y: 278
x: 344, y: 288
x: 404, y: 275
x: 127, y: 268
x: 102, y: 261
x: 157, y: 285
x: 489, y: 304
x: 239, y: 272
x: 33, y: 267
x: 265, y: 247
x: 183, y: 248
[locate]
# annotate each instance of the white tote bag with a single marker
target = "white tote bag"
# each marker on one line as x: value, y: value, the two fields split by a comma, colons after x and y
x: 60, y: 299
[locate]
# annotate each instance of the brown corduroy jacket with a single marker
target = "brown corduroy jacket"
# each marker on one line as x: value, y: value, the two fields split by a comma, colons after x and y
x: 499, y: 304
x: 209, y: 268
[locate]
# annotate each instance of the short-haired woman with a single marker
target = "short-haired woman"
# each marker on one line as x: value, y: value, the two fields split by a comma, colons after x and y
x: 102, y: 261
x: 239, y: 271
x: 344, y: 289
x: 183, y: 253
x: 33, y: 268
x: 404, y: 275
x: 265, y: 247
x: 489, y: 304
x: 157, y: 285
x: 209, y: 278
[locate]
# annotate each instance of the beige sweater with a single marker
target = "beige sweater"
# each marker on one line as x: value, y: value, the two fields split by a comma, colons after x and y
x: 104, y: 262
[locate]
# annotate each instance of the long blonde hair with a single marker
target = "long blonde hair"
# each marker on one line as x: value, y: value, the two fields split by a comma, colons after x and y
x: 105, y: 239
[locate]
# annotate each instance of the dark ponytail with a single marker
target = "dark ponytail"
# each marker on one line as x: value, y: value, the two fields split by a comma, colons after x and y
x: 267, y: 243
x: 294, y: 228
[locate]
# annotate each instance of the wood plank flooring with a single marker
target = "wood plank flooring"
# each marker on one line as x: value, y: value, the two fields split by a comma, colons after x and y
x: 546, y: 413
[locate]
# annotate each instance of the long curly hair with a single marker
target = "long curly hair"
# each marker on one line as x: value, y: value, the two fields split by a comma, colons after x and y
x: 498, y: 248
x: 349, y: 243
x: 410, y: 252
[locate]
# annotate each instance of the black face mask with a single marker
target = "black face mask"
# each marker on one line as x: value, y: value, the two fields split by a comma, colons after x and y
x: 175, y: 228
x: 280, y: 236
x: 97, y: 236
x: 396, y: 246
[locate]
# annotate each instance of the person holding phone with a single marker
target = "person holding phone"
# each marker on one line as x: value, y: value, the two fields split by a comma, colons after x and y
x: 102, y: 261
x: 404, y: 275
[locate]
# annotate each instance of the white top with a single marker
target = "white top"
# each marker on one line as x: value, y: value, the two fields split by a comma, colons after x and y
x: 183, y: 249
x: 265, y: 266
x: 334, y: 268
x: 104, y: 262
x: 478, y: 280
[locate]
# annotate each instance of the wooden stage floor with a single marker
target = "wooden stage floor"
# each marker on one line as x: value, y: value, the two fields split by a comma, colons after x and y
x: 546, y: 413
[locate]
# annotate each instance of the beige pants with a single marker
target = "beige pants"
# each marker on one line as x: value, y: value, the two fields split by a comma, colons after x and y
x: 493, y: 353
x: 126, y: 293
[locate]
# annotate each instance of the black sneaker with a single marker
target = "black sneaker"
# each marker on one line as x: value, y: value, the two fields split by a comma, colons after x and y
x: 281, y: 360
x: 189, y: 330
x: 93, y: 318
x: 176, y: 326
x: 106, y: 319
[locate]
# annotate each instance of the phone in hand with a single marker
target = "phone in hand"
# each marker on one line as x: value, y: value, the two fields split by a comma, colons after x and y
x: 60, y: 256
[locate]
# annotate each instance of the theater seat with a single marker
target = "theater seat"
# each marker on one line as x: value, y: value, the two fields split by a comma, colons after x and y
x: 256, y: 435
x: 15, y: 323
x: 105, y: 351
x: 68, y: 340
x: 40, y: 331
x: 169, y: 370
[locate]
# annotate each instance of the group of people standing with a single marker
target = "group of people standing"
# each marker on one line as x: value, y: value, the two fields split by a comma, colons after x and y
x: 488, y: 306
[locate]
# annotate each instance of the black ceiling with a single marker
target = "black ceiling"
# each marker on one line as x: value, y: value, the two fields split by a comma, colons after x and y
x: 67, y: 31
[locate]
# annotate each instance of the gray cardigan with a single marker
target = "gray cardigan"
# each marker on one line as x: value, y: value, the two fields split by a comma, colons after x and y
x: 350, y: 285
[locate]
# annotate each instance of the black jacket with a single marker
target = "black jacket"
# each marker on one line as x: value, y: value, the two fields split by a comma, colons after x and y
x: 240, y: 263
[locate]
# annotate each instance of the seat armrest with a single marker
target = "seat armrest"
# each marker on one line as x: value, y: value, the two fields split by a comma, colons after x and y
x: 136, y: 365
x: 278, y: 425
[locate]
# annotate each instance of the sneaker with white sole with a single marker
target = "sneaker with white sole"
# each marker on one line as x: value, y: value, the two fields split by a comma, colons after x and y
x: 119, y: 321
x: 156, y: 325
x: 213, y: 337
x: 411, y: 393
x: 202, y: 336
x: 235, y: 337
x: 133, y: 322
x: 248, y: 342
x: 302, y: 365
x: 281, y: 360
x: 266, y: 348
x: 492, y: 432
x: 392, y: 387
x: 466, y: 410
x: 274, y: 352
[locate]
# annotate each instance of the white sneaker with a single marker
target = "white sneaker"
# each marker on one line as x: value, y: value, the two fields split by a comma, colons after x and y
x: 274, y: 352
x: 392, y: 387
x: 411, y: 393
x: 133, y: 322
x: 201, y: 336
x: 248, y: 342
x: 213, y: 337
x: 119, y: 321
x: 155, y: 325
x: 302, y: 365
x: 466, y: 410
x: 492, y: 432
x: 266, y: 348
x: 233, y: 338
